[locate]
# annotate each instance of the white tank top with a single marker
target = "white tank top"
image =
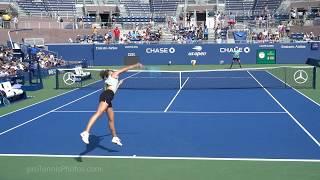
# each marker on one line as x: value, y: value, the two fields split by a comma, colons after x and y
x: 112, y: 83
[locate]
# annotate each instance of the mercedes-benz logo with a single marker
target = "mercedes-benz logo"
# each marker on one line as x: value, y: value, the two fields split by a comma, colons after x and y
x: 69, y: 78
x: 300, y: 76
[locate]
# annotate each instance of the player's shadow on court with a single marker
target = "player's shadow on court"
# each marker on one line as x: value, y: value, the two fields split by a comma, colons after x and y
x: 94, y: 144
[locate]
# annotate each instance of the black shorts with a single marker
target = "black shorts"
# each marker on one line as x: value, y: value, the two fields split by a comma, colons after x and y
x: 107, y: 96
x: 236, y: 59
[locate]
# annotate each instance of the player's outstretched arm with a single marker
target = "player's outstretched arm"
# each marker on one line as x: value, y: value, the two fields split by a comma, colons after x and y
x: 124, y: 69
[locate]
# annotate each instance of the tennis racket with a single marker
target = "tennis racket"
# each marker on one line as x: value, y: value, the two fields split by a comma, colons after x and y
x: 4, y: 100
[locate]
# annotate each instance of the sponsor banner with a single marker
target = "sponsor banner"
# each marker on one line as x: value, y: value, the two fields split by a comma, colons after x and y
x: 131, y: 47
x: 266, y: 45
x: 106, y: 48
x: 233, y: 49
x: 296, y: 46
x: 160, y: 50
x: 197, y: 51
x: 315, y: 46
x: 162, y: 54
x: 266, y: 56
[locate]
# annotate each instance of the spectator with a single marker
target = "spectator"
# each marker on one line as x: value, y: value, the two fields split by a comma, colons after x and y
x: 78, y: 39
x: 60, y: 21
x: 1, y: 22
x: 134, y: 35
x: 58, y: 18
x: 143, y: 35
x: 9, y: 66
x: 116, y: 33
x: 80, y: 20
x: 312, y: 36
x: 94, y: 31
x: 206, y: 33
x: 287, y: 30
x: 260, y: 20
x: 281, y: 30
x: 293, y: 14
x: 33, y: 52
x: 109, y: 38
x: 15, y: 22
x: 188, y: 19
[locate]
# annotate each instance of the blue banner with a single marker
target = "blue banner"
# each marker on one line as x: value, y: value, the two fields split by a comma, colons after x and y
x: 161, y: 54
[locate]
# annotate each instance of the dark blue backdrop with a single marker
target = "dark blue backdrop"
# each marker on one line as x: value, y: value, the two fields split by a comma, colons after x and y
x: 286, y: 53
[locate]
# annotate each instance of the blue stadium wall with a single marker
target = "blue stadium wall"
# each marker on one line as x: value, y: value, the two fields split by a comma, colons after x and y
x: 102, y: 55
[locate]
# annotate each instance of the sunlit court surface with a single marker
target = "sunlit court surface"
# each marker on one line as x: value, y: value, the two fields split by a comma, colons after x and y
x: 207, y: 90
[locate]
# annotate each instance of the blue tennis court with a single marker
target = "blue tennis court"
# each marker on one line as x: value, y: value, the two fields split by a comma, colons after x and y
x: 236, y: 123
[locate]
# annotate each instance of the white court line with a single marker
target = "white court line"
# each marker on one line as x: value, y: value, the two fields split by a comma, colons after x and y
x: 295, y: 120
x: 162, y: 158
x: 202, y: 77
x: 15, y: 127
x: 175, y: 95
x: 183, y: 112
x: 37, y: 103
x: 294, y: 89
x: 131, y: 76
x: 44, y: 100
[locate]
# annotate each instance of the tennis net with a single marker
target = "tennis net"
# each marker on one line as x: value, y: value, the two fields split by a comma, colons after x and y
x: 268, y: 77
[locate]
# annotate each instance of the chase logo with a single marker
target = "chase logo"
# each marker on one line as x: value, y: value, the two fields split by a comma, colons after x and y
x: 232, y: 50
x: 197, y: 48
x: 160, y: 50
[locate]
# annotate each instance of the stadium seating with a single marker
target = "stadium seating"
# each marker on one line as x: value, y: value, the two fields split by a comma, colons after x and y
x: 239, y: 6
x: 281, y: 17
x: 136, y: 8
x: 271, y: 5
x: 255, y: 6
x: 38, y: 7
x: 164, y: 7
x: 84, y: 1
x: 138, y: 19
x: 142, y: 11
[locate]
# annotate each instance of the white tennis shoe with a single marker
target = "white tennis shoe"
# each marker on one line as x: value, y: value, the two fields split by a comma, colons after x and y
x: 116, y: 140
x: 85, y: 137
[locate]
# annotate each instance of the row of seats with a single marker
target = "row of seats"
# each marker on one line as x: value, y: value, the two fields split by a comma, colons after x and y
x: 63, y: 7
x: 80, y: 75
x: 278, y: 17
x: 239, y: 5
x: 270, y: 4
x: 161, y: 7
x: 11, y: 93
x: 252, y: 5
x: 139, y: 19
x: 164, y: 7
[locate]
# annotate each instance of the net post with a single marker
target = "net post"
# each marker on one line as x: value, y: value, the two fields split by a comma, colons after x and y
x: 180, y: 80
x: 285, y: 77
x: 314, y: 77
x: 57, y: 80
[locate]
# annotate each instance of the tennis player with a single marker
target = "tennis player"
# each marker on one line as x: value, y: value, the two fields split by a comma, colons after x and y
x: 105, y: 102
x: 236, y: 58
